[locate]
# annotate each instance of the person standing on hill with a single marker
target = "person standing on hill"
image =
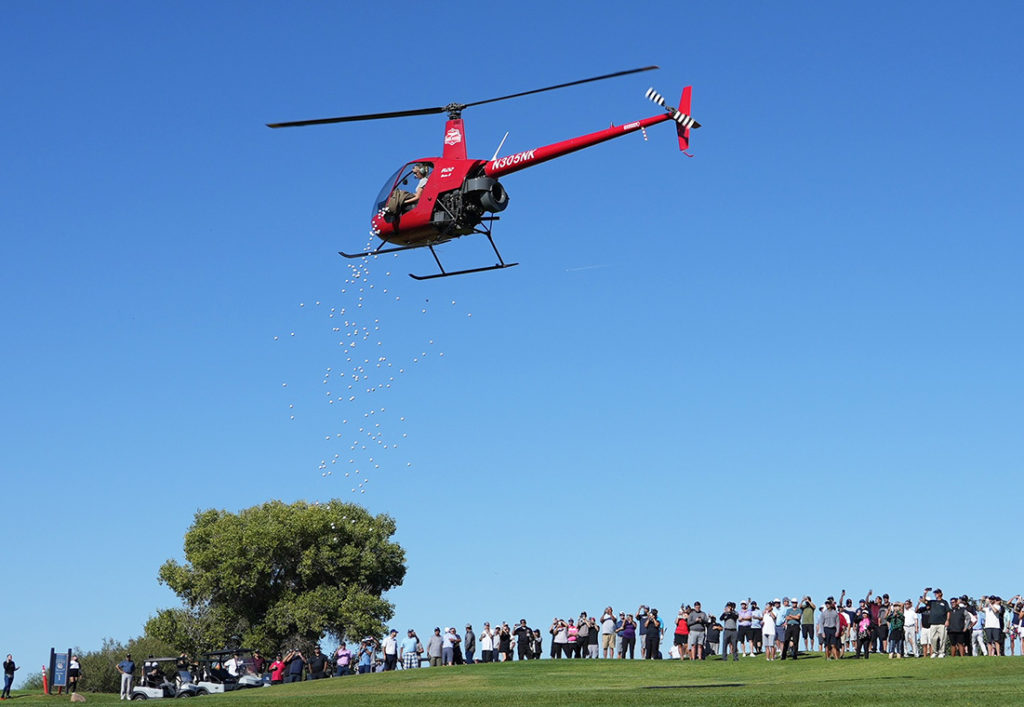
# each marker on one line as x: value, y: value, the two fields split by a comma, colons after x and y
x: 730, y: 631
x: 652, y: 639
x: 318, y: 665
x: 910, y: 624
x: 409, y: 650
x: 296, y: 663
x: 9, y: 668
x: 628, y: 633
x: 768, y: 617
x: 641, y: 626
x: 342, y: 661
x: 681, y: 635
x: 126, y: 667
x: 276, y: 670
x: 486, y: 643
x: 469, y: 644
x: 938, y: 615
x: 127, y: 670
x: 608, y: 633
x: 896, y: 633
x: 745, y: 633
x: 582, y: 635
x: 807, y: 608
x: 698, y: 621
x: 831, y: 629
x: 435, y: 649
x: 791, y: 637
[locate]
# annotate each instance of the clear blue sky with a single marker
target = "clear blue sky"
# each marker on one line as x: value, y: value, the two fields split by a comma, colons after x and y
x: 696, y: 369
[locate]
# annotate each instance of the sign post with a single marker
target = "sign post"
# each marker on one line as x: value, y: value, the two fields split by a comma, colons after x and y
x: 59, y: 669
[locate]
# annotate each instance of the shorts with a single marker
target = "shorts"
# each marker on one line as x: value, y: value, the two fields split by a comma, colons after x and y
x: 780, y: 633
x: 608, y: 641
x: 768, y: 638
x: 807, y: 630
x: 695, y: 638
x: 958, y: 638
x: 746, y: 634
x: 830, y: 637
x: 681, y: 639
x: 992, y: 635
x: 411, y: 660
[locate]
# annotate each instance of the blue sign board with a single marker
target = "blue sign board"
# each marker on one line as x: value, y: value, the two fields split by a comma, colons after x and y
x: 59, y: 668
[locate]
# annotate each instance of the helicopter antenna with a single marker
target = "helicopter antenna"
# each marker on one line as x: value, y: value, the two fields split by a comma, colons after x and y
x: 499, y: 146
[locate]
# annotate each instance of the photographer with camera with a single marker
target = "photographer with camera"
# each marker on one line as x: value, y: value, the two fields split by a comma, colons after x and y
x: 938, y: 616
x: 296, y: 662
x: 367, y: 654
x: 730, y: 631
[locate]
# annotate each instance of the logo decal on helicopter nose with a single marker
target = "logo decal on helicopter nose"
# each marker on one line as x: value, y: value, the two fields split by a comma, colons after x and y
x: 453, y: 137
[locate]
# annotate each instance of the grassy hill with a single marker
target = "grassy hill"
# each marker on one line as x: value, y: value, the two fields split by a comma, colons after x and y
x: 809, y: 681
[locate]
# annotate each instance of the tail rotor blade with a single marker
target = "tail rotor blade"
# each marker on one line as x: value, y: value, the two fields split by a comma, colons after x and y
x: 656, y: 97
x: 682, y: 118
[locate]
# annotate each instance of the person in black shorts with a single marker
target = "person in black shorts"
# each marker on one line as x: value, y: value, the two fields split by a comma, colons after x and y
x: 959, y: 628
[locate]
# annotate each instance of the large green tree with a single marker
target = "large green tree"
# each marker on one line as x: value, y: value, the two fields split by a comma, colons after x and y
x: 277, y: 574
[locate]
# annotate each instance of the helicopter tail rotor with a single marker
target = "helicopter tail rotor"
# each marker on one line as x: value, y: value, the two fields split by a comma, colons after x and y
x: 681, y: 115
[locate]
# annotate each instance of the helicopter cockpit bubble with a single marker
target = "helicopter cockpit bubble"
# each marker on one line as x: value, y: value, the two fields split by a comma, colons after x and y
x: 400, y: 187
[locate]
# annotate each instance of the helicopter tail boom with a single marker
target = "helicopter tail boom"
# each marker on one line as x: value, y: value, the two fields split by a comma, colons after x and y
x: 522, y: 160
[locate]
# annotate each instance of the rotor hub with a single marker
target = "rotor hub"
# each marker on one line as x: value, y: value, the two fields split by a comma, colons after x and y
x: 454, y: 110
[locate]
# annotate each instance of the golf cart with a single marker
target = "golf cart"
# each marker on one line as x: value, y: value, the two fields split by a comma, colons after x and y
x: 157, y: 684
x: 215, y: 677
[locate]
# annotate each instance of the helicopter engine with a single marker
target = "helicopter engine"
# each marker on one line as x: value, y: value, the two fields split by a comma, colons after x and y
x: 488, y: 192
x: 459, y: 211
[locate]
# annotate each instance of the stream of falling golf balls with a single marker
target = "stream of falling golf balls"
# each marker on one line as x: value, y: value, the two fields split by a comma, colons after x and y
x: 363, y: 373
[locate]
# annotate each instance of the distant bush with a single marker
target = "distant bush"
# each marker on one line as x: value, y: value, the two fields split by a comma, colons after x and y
x: 33, y: 683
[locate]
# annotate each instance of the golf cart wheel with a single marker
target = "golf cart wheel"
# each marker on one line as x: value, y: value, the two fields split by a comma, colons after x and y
x: 202, y: 691
x: 184, y: 694
x: 138, y: 696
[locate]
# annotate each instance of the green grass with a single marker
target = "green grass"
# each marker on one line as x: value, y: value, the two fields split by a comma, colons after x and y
x: 811, y: 680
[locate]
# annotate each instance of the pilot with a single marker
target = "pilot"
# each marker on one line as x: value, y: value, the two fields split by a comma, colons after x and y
x: 400, y: 200
x: 420, y: 171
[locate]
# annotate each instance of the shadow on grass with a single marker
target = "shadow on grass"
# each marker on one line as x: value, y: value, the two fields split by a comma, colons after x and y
x: 693, y: 687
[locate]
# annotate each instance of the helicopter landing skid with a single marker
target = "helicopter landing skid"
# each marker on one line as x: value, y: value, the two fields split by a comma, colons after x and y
x: 379, y: 251
x: 500, y: 265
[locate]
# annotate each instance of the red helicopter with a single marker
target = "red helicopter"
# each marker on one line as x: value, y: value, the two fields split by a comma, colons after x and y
x: 457, y: 196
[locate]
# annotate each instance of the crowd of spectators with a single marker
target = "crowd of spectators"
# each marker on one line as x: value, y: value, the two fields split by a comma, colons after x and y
x: 784, y: 628
x: 842, y: 628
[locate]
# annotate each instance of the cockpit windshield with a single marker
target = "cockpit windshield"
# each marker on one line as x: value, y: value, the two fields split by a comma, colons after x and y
x: 402, y: 178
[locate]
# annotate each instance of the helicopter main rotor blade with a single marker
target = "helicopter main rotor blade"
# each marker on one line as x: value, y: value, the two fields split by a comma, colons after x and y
x: 452, y: 108
x: 562, y: 85
x: 351, y: 118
